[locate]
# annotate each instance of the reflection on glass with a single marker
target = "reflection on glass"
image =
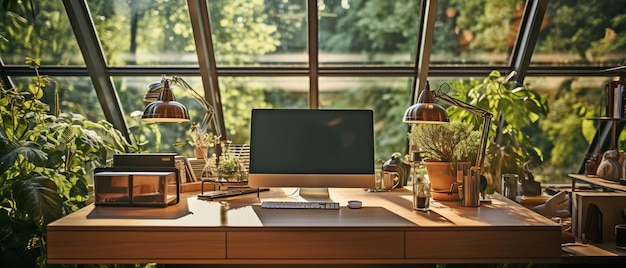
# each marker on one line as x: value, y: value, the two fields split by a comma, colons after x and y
x: 475, y: 32
x: 242, y: 94
x: 42, y: 31
x: 582, y: 33
x: 358, y: 32
x: 144, y: 32
x: 388, y: 97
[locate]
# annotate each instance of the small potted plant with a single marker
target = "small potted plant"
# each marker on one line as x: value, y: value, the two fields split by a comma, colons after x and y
x: 444, y: 146
x: 202, y: 141
x: 229, y: 167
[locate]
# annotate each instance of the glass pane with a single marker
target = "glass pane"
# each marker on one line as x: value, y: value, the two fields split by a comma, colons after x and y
x: 585, y: 33
x: 75, y: 94
x: 358, y: 32
x: 476, y: 32
x: 242, y: 94
x: 271, y: 32
x: 388, y: 97
x: 566, y: 133
x: 37, y: 29
x: 159, y: 137
x: 144, y: 32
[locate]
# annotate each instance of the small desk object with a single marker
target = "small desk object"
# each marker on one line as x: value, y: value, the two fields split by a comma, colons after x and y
x: 386, y: 230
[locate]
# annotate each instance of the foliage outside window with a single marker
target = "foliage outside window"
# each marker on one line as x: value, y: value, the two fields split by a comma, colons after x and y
x: 351, y: 33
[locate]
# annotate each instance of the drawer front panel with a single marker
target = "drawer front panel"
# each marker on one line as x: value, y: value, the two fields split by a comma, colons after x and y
x: 483, y: 244
x: 136, y: 245
x: 316, y: 244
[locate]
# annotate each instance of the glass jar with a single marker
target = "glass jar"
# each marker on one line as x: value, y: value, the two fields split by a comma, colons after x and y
x: 421, y: 194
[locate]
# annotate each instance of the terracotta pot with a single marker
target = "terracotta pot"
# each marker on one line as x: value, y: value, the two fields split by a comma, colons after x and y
x: 442, y: 180
x: 200, y: 152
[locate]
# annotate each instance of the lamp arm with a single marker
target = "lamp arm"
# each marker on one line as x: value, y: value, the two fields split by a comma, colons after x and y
x: 209, y: 117
x: 487, y: 116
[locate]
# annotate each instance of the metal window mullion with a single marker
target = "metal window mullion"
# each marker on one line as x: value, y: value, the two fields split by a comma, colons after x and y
x: 527, y: 38
x: 87, y: 38
x: 422, y: 65
x: 313, y: 44
x: 201, y: 26
x: 6, y: 80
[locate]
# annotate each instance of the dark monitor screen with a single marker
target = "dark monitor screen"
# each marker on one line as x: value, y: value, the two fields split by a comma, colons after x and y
x: 312, y: 148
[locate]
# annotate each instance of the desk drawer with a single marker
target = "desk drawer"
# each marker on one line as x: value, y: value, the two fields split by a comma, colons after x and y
x: 484, y: 244
x: 149, y: 246
x: 316, y: 245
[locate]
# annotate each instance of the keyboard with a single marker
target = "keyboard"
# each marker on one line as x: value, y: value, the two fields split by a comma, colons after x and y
x: 230, y: 192
x: 299, y: 204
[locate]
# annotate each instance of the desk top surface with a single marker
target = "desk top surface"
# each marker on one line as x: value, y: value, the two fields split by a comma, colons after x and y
x: 380, y: 209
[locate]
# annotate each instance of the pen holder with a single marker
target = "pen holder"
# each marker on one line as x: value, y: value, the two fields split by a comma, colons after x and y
x: 510, y: 185
x: 470, y: 190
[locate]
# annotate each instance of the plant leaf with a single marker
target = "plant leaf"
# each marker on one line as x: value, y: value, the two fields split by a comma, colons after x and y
x: 36, y: 197
x: 10, y: 150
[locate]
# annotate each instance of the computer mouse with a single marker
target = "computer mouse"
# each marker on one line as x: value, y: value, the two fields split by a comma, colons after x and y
x: 354, y: 204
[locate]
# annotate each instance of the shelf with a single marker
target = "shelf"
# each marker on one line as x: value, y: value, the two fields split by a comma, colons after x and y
x: 598, y: 182
x: 603, y: 118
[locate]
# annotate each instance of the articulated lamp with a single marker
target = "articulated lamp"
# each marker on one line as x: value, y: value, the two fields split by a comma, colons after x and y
x: 163, y: 107
x: 425, y: 111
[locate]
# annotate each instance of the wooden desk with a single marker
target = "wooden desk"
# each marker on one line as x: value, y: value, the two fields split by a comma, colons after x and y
x: 385, y: 231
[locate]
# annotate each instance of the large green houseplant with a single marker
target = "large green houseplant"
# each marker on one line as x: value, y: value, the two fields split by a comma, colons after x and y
x: 443, y: 147
x: 44, y: 164
x: 516, y: 109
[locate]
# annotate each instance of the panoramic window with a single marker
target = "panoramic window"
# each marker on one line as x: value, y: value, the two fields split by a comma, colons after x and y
x: 580, y: 32
x: 476, y: 32
x: 42, y: 32
x: 73, y: 95
x: 366, y: 58
x: 570, y: 127
x: 358, y: 32
x: 144, y: 32
x: 259, y: 32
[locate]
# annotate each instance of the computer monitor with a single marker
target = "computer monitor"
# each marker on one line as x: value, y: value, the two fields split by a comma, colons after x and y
x: 312, y: 150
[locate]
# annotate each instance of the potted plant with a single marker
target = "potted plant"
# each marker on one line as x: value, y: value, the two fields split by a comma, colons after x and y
x: 516, y: 109
x: 229, y: 167
x: 202, y: 141
x: 45, y: 161
x: 443, y: 147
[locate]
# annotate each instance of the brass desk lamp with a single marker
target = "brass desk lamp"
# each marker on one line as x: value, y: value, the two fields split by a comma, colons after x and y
x: 426, y: 111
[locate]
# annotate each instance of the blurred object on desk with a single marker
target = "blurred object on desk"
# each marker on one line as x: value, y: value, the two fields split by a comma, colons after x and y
x: 610, y: 204
x: 555, y: 206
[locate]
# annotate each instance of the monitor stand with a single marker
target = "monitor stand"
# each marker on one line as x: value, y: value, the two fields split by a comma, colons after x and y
x: 311, y: 195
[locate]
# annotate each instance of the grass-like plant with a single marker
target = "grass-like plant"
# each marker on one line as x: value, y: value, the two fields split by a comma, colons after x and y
x: 452, y: 142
